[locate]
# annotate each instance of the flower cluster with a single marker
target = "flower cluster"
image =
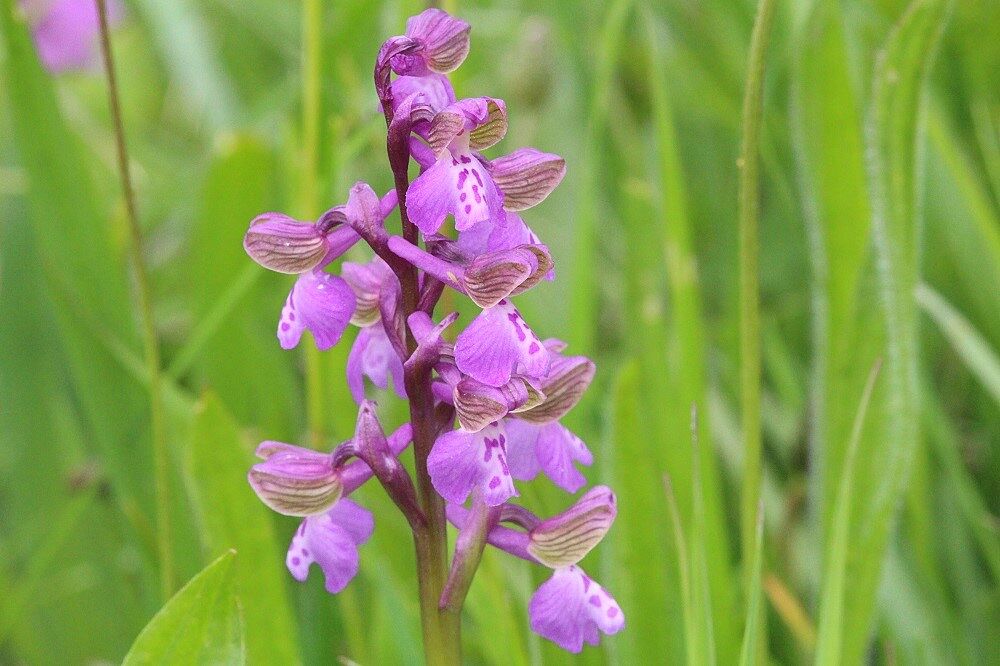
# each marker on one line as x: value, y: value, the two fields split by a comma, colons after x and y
x: 506, y: 387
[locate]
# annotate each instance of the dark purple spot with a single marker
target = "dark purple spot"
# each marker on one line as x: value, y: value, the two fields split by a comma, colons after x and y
x: 533, y: 348
x: 613, y: 611
x: 305, y: 552
x: 302, y: 528
x: 285, y: 326
x: 595, y: 600
x: 291, y: 316
x: 468, y: 208
x: 465, y: 159
x: 463, y: 197
x: 494, y: 482
x: 513, y: 317
x: 488, y: 453
x: 296, y: 561
x: 586, y: 582
x: 461, y: 178
x: 478, y: 179
x: 479, y: 199
x: 454, y: 162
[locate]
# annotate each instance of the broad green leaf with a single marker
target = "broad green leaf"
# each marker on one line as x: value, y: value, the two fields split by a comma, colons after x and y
x: 231, y: 517
x: 201, y: 624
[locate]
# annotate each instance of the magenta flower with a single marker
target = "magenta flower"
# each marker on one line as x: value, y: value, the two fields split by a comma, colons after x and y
x: 458, y: 183
x: 462, y: 461
x: 67, y: 32
x: 485, y: 409
x: 570, y: 609
x: 499, y: 343
x: 331, y: 540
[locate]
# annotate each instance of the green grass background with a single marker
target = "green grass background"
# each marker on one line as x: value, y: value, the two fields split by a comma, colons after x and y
x: 879, y: 240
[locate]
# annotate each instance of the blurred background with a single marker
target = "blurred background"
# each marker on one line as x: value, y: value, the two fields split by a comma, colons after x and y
x: 879, y: 239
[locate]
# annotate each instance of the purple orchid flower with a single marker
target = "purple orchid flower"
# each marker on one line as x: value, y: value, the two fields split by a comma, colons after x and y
x: 462, y: 461
x: 458, y: 183
x: 506, y: 388
x: 570, y: 609
x: 67, y: 32
x: 499, y: 343
x: 301, y: 482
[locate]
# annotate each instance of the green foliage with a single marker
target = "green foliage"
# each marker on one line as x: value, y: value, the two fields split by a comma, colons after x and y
x: 201, y: 624
x: 879, y: 238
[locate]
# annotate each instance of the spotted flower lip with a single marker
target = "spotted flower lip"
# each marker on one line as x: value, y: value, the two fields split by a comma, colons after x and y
x: 461, y: 461
x: 331, y: 540
x: 319, y: 302
x: 499, y: 343
x: 570, y: 609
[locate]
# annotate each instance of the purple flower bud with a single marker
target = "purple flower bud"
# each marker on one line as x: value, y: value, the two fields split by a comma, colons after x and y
x: 430, y: 343
x: 281, y: 244
x: 570, y: 609
x: 442, y: 42
x: 331, y: 540
x: 526, y: 176
x: 566, y: 538
x: 294, y: 481
x: 549, y: 448
x: 497, y: 344
x: 320, y: 302
x: 462, y: 460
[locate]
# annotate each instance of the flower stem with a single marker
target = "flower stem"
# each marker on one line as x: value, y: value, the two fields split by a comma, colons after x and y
x: 749, y: 214
x: 151, y: 345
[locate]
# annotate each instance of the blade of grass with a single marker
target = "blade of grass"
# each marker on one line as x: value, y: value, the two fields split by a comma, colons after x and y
x: 979, y: 358
x: 683, y: 568
x: 830, y: 646
x: 749, y: 214
x: 580, y: 333
x: 750, y: 652
x: 144, y: 305
x: 703, y: 649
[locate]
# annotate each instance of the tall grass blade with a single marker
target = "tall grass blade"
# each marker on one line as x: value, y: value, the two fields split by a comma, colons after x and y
x: 831, y: 637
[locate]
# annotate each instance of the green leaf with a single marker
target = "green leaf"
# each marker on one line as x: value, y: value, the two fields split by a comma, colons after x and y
x: 231, y: 517
x: 979, y: 358
x: 201, y: 624
x: 894, y: 132
x: 751, y: 650
x: 830, y: 648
